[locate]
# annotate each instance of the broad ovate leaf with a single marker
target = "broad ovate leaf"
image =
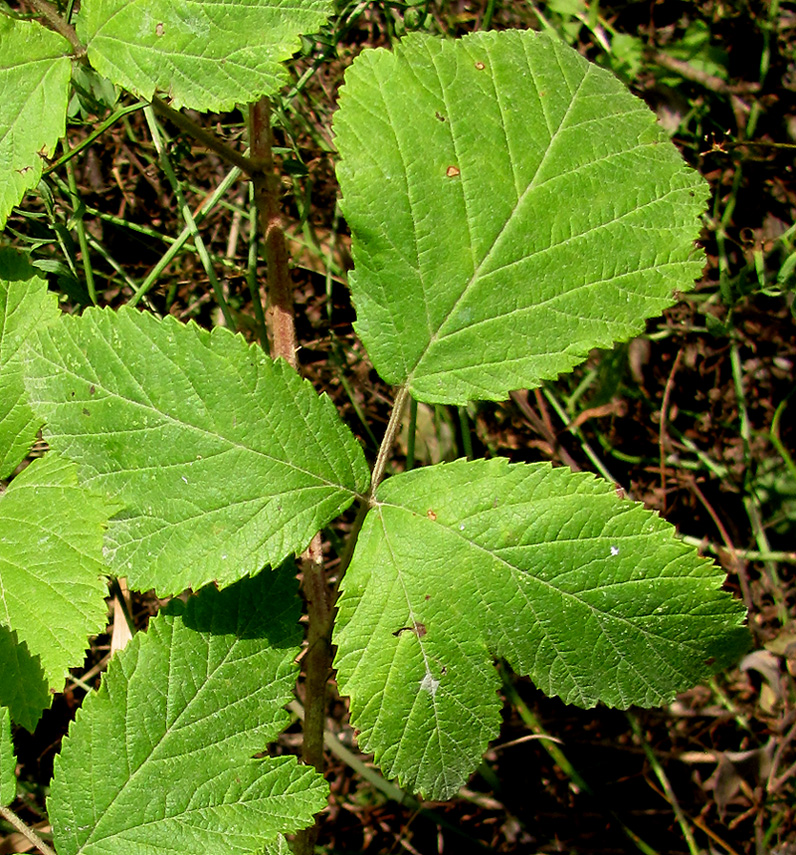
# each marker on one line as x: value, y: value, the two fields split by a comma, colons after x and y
x: 25, y: 304
x: 161, y: 758
x: 34, y: 78
x: 204, y: 54
x: 588, y: 594
x: 23, y: 686
x: 8, y: 761
x: 51, y: 586
x: 223, y: 459
x: 511, y: 206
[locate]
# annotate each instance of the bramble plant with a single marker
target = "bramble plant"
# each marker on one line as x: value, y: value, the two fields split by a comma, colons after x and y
x: 511, y: 207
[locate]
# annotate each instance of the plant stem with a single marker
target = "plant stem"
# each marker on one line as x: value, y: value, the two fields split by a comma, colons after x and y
x: 50, y: 14
x: 281, y: 326
x: 385, y: 449
x: 206, y: 138
x: 318, y: 658
x: 25, y: 830
x: 317, y: 662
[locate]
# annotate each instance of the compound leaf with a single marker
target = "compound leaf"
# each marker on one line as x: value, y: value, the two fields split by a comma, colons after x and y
x: 224, y: 460
x: 207, y: 54
x: 51, y: 588
x: 34, y: 78
x: 161, y: 758
x: 588, y: 594
x: 520, y: 208
x: 25, y: 304
x: 8, y: 761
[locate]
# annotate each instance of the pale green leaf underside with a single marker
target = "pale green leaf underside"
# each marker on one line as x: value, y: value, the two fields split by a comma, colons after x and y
x: 8, y: 761
x: 51, y: 586
x: 23, y: 688
x: 25, y: 304
x: 511, y: 207
x: 161, y: 758
x: 224, y: 460
x: 588, y: 594
x: 205, y: 54
x: 34, y: 79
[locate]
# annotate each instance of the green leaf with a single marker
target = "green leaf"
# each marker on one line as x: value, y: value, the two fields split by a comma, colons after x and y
x: 161, y: 758
x: 23, y: 688
x: 34, y: 79
x: 224, y: 460
x: 8, y: 761
x: 588, y: 594
x: 520, y: 208
x: 206, y: 54
x: 25, y: 304
x: 51, y: 587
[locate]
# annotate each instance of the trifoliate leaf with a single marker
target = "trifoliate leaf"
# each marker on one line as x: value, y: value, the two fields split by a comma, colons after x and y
x: 588, y: 594
x: 511, y: 205
x: 224, y: 460
x: 23, y: 688
x: 51, y: 586
x: 25, y: 304
x: 34, y: 79
x: 161, y: 758
x: 205, y: 54
x: 8, y: 761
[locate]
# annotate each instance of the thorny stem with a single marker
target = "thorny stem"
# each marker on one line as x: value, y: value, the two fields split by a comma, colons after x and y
x: 279, y: 315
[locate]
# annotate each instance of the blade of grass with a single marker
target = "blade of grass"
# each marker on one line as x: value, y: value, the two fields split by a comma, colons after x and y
x: 185, y: 210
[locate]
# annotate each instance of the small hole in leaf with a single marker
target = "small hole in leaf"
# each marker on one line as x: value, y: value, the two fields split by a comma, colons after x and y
x: 159, y: 29
x: 452, y: 171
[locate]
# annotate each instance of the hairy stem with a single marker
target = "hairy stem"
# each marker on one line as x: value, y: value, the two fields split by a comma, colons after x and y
x: 10, y: 817
x: 385, y: 449
x: 50, y: 14
x: 279, y: 316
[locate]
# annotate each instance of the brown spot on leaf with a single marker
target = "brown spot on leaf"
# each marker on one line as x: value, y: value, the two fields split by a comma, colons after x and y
x: 419, y: 629
x: 92, y: 389
x: 442, y: 118
x: 159, y: 30
x: 431, y: 515
x: 452, y: 171
x: 480, y: 65
x: 86, y: 412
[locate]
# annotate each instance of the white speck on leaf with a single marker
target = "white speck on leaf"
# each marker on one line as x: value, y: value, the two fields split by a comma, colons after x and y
x: 614, y: 550
x: 429, y: 684
x: 185, y: 479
